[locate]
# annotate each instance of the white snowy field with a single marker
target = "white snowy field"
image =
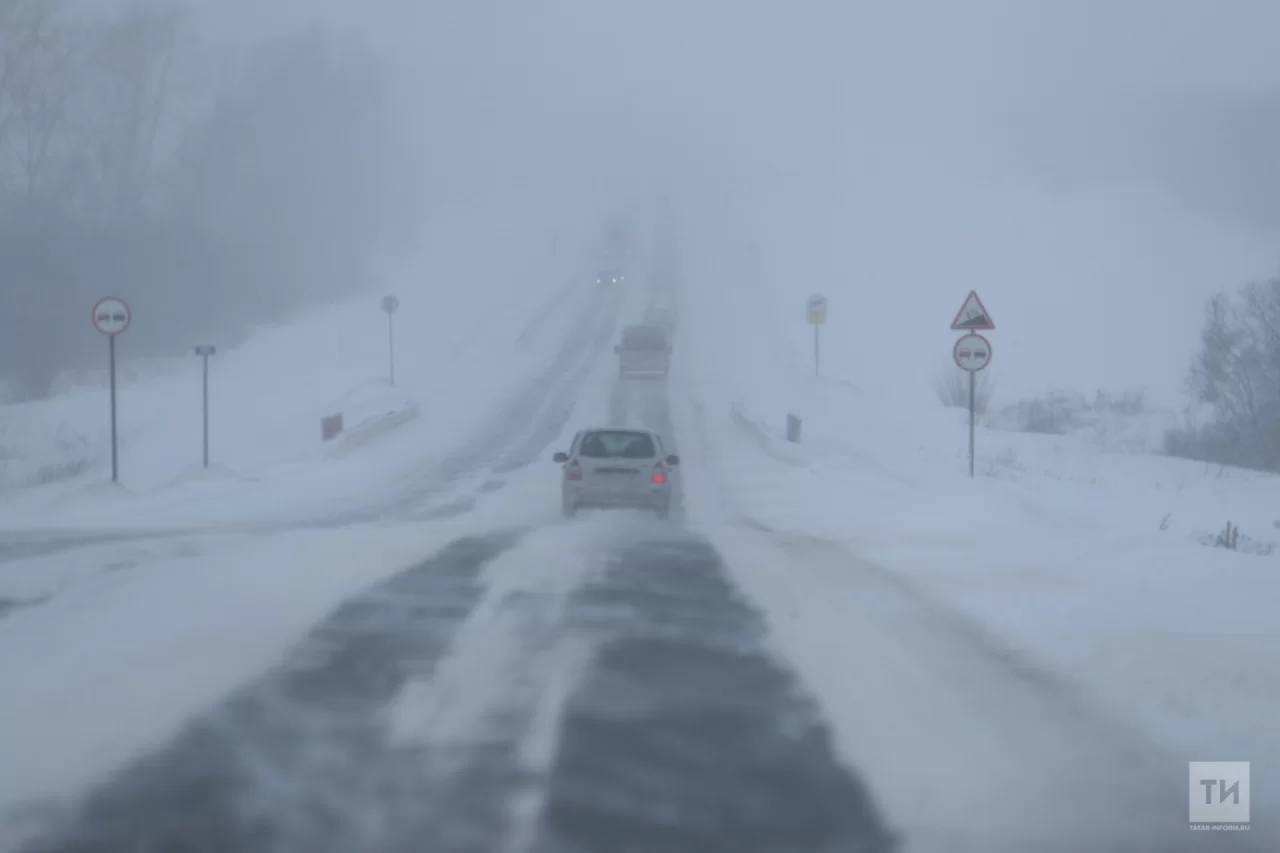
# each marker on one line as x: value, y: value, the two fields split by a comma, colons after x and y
x: 1097, y: 566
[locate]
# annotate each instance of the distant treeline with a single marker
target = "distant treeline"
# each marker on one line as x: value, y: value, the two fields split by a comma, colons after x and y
x: 212, y: 188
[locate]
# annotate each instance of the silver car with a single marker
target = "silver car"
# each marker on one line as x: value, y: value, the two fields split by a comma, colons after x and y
x: 613, y: 467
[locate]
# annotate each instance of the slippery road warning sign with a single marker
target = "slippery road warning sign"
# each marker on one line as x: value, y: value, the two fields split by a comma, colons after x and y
x: 973, y: 315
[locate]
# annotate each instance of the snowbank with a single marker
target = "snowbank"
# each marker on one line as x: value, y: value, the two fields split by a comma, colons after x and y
x: 166, y: 610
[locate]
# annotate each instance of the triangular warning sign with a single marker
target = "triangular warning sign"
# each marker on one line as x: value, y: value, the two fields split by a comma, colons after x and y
x: 973, y: 315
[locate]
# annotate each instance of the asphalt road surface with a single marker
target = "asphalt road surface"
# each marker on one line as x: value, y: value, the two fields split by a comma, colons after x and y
x: 680, y: 733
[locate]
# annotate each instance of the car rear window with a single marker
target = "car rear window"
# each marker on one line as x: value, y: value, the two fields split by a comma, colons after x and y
x: 617, y: 443
x: 644, y: 337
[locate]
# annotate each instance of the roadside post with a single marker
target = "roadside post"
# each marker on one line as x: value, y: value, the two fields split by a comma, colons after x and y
x: 111, y: 316
x: 204, y: 351
x: 817, y: 317
x: 390, y: 304
x: 972, y: 352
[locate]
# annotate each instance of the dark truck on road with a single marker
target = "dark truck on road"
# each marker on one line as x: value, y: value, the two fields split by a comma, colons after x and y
x: 644, y: 352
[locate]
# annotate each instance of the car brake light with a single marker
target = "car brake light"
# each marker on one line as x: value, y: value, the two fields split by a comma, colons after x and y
x: 659, y: 474
x: 574, y: 472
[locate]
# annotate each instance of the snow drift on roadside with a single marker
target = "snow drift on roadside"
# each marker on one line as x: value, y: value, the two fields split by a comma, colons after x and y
x: 66, y: 718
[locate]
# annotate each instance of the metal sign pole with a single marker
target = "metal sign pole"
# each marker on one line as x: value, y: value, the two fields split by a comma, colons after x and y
x: 390, y: 304
x: 391, y: 347
x: 972, y: 382
x: 816, y: 327
x: 817, y: 309
x: 204, y: 351
x: 111, y: 359
x: 205, y: 358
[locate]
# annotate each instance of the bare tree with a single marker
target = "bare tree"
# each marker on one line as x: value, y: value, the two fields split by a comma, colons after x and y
x: 39, y: 81
x: 139, y: 72
x: 1237, y: 373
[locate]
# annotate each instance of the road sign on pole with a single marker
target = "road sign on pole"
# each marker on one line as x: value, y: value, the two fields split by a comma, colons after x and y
x: 972, y: 353
x: 111, y: 316
x: 390, y: 304
x: 204, y: 352
x: 972, y: 316
x: 817, y: 311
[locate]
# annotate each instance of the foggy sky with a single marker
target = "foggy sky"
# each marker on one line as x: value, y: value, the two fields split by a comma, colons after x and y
x: 1094, y: 168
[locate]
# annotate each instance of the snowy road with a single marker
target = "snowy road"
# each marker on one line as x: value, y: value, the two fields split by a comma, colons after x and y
x: 616, y: 683
x: 672, y: 730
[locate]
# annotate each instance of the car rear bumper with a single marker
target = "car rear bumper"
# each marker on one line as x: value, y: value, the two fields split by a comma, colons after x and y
x: 614, y: 503
x: 622, y: 499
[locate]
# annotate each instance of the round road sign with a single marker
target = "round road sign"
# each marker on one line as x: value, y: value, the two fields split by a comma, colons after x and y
x: 111, y: 316
x: 390, y: 304
x: 972, y: 352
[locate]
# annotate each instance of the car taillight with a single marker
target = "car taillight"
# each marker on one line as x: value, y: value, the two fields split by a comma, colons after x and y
x: 659, y: 473
x: 574, y: 471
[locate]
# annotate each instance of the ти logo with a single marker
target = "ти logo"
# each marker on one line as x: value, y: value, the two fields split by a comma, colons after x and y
x: 1219, y: 795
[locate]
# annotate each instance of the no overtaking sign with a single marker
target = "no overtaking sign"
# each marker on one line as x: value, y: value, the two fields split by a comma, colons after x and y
x: 111, y: 316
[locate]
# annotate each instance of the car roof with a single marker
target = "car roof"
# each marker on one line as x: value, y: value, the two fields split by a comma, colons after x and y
x: 635, y: 430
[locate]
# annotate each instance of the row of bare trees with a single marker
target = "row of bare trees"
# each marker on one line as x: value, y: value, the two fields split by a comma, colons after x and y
x: 90, y: 107
x: 213, y: 186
